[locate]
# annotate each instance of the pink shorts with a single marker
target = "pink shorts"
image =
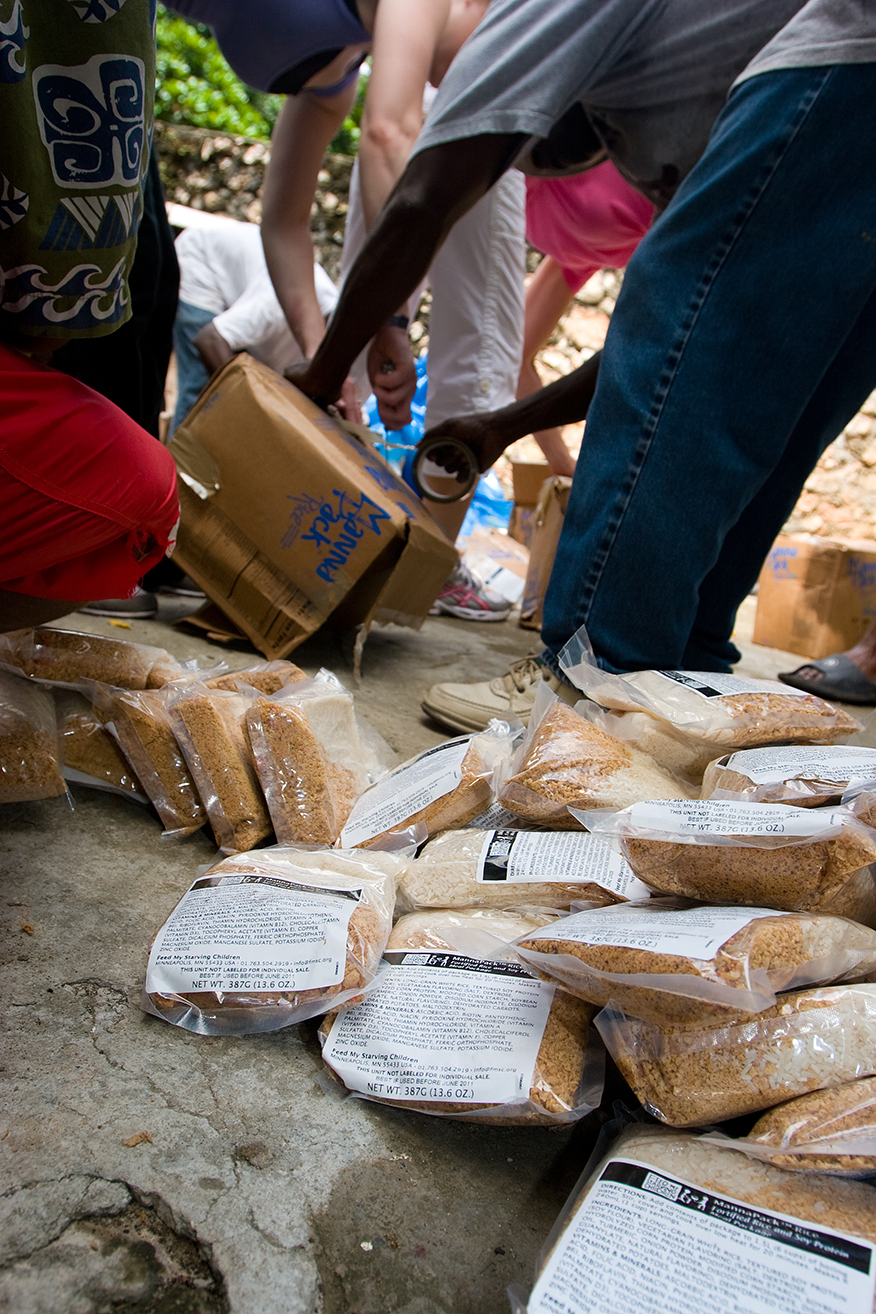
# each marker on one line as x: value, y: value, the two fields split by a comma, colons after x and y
x: 88, y: 499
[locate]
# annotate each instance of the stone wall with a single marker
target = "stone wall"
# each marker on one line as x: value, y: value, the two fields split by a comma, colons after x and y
x: 223, y: 174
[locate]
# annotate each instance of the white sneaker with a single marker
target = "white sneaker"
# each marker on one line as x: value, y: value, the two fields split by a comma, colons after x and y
x: 473, y: 706
x: 462, y: 596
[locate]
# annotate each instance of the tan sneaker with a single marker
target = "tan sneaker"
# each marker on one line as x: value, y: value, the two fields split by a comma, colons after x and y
x: 473, y: 706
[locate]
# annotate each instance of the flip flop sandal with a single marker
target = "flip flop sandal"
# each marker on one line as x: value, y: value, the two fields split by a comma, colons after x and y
x: 842, y: 681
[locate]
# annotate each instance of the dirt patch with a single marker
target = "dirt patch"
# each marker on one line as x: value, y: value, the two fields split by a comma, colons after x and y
x: 131, y: 1263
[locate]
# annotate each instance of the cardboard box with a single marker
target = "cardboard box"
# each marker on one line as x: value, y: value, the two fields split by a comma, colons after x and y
x: 527, y: 478
x: 521, y: 524
x: 549, y: 516
x: 496, y: 561
x: 816, y: 596
x: 289, y: 521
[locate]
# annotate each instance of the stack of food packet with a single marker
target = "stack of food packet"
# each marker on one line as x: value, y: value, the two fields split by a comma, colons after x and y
x: 681, y: 870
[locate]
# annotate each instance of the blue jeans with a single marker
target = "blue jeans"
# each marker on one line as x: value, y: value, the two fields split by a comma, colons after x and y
x: 743, y: 341
x: 191, y: 372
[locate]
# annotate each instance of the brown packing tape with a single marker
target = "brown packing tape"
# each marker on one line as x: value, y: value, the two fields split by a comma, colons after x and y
x: 194, y: 464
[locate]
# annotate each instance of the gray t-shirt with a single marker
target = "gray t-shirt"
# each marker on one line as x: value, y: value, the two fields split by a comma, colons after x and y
x: 824, y: 32
x: 652, y: 75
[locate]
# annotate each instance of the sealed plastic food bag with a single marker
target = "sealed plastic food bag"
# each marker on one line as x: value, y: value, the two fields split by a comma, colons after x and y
x: 686, y: 719
x: 664, y: 962
x: 475, y: 932
x: 67, y: 657
x: 829, y: 1131
x: 860, y: 799
x: 265, y: 677
x: 89, y: 753
x: 442, y: 789
x: 310, y: 758
x: 567, y: 761
x: 765, y: 854
x: 806, y: 777
x: 508, y: 868
x: 29, y: 754
x: 141, y: 720
x: 466, y: 1037
x: 210, y: 726
x: 667, y: 1222
x: 267, y: 939
x: 691, y: 1075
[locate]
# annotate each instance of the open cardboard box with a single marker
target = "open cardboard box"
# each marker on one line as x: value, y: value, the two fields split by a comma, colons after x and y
x: 290, y: 522
x: 816, y: 596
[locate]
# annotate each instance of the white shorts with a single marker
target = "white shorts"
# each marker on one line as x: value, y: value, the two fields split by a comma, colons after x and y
x: 476, y: 321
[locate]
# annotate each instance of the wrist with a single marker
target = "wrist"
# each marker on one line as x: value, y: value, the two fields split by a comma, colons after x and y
x: 397, y: 321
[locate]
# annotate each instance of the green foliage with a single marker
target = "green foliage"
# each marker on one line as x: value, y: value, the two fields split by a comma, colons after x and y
x: 195, y: 86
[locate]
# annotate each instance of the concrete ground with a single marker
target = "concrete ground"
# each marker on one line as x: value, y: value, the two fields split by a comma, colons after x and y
x: 146, y: 1169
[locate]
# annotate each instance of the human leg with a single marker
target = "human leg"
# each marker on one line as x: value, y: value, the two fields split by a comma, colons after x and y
x: 707, y: 370
x: 845, y: 386
x: 87, y: 498
x: 476, y: 321
x: 191, y: 372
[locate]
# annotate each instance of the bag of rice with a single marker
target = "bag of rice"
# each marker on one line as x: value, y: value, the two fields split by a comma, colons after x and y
x: 860, y: 799
x: 29, y: 765
x: 89, y: 753
x: 566, y: 761
x: 267, y: 939
x: 692, y: 1074
x: 765, y: 854
x: 465, y: 1037
x: 443, y: 788
x: 663, y: 1221
x: 311, y: 760
x: 142, y: 722
x: 807, y: 777
x: 505, y: 868
x: 69, y: 658
x: 829, y: 1131
x: 686, y: 719
x: 475, y: 932
x: 665, y: 962
x: 210, y: 727
x: 264, y: 677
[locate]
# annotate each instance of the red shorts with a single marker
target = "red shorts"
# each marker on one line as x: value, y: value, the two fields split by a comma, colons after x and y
x: 88, y: 499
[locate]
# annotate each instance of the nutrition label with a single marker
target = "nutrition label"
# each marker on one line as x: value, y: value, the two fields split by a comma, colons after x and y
x: 245, y: 933
x: 405, y: 791
x: 718, y: 817
x: 642, y: 1242
x: 836, y: 765
x: 691, y: 932
x: 712, y: 684
x: 443, y: 1027
x: 520, y: 857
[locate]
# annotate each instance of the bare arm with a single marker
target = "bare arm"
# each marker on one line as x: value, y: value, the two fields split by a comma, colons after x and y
x: 212, y: 348
x: 304, y: 129
x: 406, y: 34
x: 563, y: 402
x: 437, y: 187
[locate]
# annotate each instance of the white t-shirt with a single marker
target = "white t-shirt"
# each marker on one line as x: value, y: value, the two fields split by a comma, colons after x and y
x: 223, y: 270
x: 652, y: 75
